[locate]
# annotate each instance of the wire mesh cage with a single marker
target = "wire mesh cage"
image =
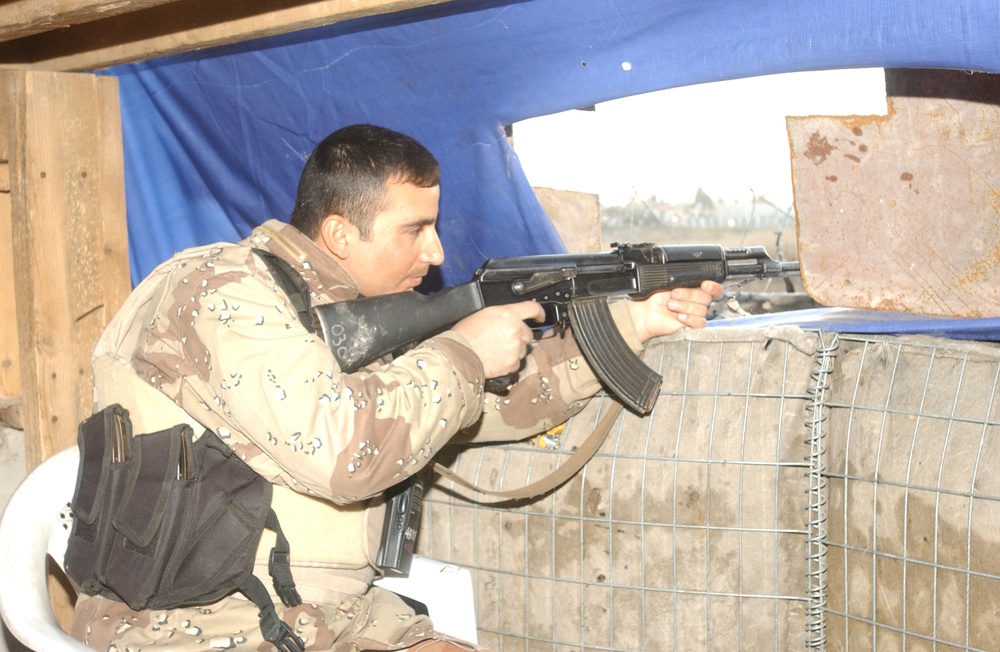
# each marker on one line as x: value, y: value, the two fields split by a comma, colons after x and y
x: 914, y: 520
x: 760, y: 506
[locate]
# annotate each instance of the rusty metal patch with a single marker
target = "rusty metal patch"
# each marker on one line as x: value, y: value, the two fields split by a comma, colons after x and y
x: 902, y: 212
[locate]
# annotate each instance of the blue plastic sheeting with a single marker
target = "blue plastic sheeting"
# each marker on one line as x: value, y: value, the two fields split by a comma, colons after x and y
x: 215, y: 140
x: 869, y: 322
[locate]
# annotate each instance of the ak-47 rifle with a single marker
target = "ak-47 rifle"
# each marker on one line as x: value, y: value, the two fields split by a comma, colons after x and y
x: 574, y: 288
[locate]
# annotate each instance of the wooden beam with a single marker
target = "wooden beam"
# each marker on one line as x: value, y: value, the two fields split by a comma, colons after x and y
x: 21, y: 18
x: 70, y: 255
x: 182, y: 26
x: 10, y: 369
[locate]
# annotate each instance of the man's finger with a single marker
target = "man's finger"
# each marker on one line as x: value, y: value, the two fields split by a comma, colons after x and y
x: 529, y: 310
x: 693, y: 308
x: 713, y: 290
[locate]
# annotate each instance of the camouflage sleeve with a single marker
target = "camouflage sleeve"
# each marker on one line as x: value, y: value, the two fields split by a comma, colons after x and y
x: 243, y: 365
x: 555, y: 383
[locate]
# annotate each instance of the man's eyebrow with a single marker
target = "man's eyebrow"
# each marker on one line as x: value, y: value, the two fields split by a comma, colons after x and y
x: 426, y: 221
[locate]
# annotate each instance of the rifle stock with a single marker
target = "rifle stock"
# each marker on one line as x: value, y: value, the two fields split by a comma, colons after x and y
x: 362, y: 331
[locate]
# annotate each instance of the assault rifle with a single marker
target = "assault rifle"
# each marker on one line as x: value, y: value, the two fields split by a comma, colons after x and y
x: 574, y: 288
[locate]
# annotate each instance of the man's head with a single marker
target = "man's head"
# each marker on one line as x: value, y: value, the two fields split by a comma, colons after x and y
x: 348, y: 171
x: 369, y: 196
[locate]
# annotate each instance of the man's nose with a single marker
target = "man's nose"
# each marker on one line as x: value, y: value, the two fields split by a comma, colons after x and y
x: 433, y: 252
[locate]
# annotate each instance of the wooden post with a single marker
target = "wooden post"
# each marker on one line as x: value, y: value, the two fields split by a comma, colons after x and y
x: 70, y: 245
x: 65, y: 271
x: 10, y: 370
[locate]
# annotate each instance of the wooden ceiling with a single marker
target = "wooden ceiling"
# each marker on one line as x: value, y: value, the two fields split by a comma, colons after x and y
x: 76, y: 35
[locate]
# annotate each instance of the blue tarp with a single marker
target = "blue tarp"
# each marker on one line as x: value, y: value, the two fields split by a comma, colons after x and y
x: 871, y: 322
x: 215, y: 140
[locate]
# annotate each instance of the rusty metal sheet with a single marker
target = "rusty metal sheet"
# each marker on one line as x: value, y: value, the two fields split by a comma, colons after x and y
x: 902, y: 212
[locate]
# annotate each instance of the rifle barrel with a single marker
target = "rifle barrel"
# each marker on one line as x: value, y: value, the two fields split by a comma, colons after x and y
x: 764, y: 268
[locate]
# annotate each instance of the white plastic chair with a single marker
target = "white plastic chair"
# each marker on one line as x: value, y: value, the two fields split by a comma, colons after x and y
x: 36, y: 524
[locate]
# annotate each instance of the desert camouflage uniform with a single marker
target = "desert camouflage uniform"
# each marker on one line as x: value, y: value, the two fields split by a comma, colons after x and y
x: 209, y: 338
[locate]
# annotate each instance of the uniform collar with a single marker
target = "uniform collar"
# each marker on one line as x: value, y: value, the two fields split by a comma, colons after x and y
x: 328, y: 276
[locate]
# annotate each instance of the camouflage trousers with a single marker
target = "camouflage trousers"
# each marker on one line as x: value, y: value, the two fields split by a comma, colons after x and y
x: 378, y: 620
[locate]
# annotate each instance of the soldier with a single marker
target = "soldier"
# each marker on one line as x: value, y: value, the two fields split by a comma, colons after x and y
x: 211, y: 339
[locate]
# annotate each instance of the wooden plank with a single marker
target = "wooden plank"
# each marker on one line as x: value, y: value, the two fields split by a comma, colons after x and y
x: 182, y: 26
x: 10, y: 370
x: 69, y: 240
x: 576, y: 217
x: 900, y: 212
x: 20, y: 18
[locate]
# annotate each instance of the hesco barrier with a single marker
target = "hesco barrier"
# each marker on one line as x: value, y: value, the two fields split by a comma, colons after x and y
x: 791, y: 490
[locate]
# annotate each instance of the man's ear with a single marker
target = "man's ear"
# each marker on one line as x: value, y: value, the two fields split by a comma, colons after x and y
x: 337, y: 234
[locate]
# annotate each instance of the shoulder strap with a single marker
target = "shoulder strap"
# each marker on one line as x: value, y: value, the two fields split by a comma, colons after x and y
x: 279, y: 564
x: 567, y: 470
x: 272, y: 627
x: 292, y: 283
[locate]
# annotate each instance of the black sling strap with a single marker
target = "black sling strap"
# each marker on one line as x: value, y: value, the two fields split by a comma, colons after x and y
x: 292, y: 283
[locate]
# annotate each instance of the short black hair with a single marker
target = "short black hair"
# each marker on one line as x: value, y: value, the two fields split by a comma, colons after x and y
x: 347, y: 173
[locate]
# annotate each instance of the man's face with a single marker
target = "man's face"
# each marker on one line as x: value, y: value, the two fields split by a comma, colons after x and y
x: 404, y: 243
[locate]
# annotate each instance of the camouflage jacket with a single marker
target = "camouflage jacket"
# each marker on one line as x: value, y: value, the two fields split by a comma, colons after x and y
x: 212, y: 331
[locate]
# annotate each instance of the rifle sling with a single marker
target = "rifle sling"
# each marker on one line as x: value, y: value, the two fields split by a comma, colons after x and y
x: 564, y: 472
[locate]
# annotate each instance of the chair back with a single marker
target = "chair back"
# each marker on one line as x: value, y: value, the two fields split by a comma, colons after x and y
x: 35, y: 525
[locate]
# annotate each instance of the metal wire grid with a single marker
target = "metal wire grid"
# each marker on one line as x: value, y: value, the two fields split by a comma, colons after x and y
x: 897, y: 548
x: 686, y: 531
x: 912, y: 548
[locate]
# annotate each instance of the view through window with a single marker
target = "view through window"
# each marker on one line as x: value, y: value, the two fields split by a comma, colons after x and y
x: 698, y: 164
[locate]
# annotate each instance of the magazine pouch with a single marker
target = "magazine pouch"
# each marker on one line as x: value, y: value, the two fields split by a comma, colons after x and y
x: 163, y: 520
x: 103, y: 440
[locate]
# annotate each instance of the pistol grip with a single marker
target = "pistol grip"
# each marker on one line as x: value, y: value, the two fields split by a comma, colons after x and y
x: 610, y: 356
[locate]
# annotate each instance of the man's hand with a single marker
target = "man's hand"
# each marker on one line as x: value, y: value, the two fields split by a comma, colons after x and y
x: 499, y: 335
x: 667, y: 312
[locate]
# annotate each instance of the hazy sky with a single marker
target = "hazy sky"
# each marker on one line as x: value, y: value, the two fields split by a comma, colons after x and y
x: 728, y: 138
